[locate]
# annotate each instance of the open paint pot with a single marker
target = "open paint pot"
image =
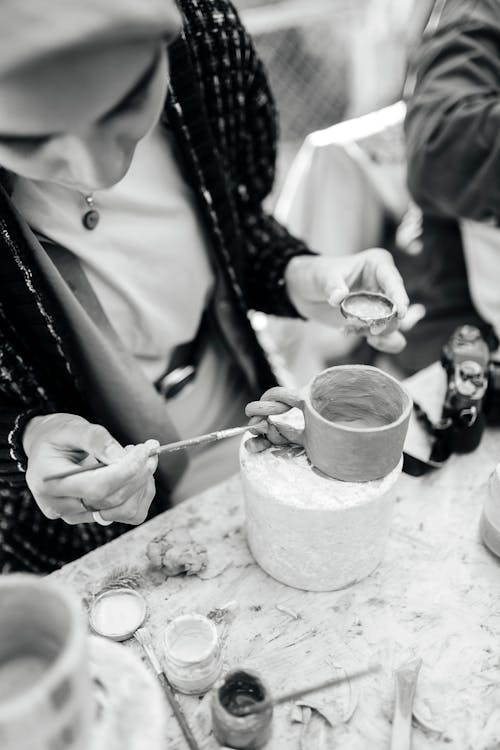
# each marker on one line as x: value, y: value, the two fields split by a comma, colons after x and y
x: 241, y: 689
x: 45, y: 686
x: 193, y: 659
x: 117, y: 613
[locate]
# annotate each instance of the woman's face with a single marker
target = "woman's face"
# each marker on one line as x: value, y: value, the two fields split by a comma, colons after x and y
x: 99, y: 155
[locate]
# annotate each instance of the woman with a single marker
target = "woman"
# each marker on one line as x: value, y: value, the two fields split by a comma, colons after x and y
x: 133, y: 245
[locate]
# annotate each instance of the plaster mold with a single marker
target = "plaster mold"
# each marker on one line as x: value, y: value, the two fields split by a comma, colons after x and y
x: 310, y: 531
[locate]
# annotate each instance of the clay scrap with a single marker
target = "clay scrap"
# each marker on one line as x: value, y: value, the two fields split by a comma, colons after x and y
x: 176, y: 553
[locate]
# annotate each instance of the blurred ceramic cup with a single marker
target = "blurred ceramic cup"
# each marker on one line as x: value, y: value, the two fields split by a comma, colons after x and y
x: 45, y: 689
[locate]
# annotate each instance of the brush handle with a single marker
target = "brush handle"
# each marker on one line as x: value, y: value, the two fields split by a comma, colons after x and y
x: 259, y: 708
x: 143, y: 636
x: 178, y: 712
x: 180, y: 445
x: 210, y: 437
x: 406, y: 686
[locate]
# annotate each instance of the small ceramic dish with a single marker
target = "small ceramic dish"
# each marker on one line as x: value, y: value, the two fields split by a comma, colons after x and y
x: 368, y: 311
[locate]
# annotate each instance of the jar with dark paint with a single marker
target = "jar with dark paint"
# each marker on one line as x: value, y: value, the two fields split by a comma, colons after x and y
x: 241, y: 689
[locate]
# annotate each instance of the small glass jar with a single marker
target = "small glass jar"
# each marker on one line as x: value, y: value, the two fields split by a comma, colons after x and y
x: 193, y: 658
x: 241, y: 689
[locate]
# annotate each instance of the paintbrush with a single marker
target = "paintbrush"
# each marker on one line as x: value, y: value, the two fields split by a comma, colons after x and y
x: 180, y: 445
x: 258, y: 708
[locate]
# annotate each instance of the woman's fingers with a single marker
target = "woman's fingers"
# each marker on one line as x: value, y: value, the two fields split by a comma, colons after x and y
x: 62, y: 507
x: 99, y: 486
x: 265, y: 408
x: 275, y: 435
x: 390, y: 281
x: 415, y: 313
x: 135, y: 509
x: 130, y: 505
x: 282, y: 395
x: 77, y: 518
x: 127, y: 481
x: 274, y: 401
x: 257, y: 444
x: 257, y: 426
x: 391, y: 343
x: 123, y: 477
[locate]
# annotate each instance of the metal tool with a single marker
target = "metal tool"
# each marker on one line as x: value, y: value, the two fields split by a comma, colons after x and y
x: 406, y: 686
x: 133, y: 626
x: 262, y: 706
x: 180, y: 445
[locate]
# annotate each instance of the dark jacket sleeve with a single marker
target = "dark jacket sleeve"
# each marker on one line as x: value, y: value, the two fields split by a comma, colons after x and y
x: 13, y: 459
x: 268, y: 245
x: 21, y: 399
x: 453, y: 119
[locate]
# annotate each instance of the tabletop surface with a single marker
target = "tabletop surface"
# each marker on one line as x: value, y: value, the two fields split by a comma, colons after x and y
x: 436, y: 595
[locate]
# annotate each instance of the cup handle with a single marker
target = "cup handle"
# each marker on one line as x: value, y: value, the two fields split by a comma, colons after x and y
x: 279, y: 400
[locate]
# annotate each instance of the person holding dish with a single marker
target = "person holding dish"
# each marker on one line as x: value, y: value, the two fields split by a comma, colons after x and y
x: 137, y: 146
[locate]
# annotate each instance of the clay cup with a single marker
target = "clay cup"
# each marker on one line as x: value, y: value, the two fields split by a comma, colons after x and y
x: 355, y: 422
x: 356, y: 419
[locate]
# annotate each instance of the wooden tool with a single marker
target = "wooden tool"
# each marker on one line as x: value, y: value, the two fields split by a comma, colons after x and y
x: 180, y: 445
x: 406, y: 686
x: 144, y: 638
x: 258, y: 708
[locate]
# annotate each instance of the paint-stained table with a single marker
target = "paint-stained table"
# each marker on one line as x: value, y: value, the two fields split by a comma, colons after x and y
x: 436, y: 595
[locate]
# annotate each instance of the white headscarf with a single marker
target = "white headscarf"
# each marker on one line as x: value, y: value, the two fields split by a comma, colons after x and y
x: 80, y: 85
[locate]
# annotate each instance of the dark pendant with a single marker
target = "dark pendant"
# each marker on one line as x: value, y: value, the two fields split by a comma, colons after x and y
x: 90, y: 219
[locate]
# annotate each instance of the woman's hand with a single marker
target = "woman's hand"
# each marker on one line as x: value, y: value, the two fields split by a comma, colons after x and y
x: 121, y: 491
x: 274, y: 401
x: 317, y: 284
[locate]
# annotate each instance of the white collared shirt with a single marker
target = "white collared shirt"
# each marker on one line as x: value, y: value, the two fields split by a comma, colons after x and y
x: 146, y: 259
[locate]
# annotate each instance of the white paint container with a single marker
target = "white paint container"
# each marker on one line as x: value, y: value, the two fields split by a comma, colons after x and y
x: 489, y: 527
x: 193, y: 658
x: 309, y: 531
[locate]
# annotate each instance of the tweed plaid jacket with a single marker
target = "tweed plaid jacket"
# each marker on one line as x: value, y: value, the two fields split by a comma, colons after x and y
x: 223, y: 117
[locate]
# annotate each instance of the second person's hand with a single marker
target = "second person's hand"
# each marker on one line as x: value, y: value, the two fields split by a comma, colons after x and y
x: 317, y: 284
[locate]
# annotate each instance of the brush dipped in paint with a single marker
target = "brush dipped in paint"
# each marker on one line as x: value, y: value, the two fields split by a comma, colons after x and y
x: 242, y: 709
x: 260, y: 707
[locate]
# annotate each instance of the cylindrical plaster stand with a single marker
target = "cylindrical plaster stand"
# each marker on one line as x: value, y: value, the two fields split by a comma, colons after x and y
x: 490, y: 518
x: 310, y: 531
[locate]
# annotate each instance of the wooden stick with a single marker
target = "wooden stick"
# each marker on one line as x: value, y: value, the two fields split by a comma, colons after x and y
x: 143, y: 636
x: 406, y: 686
x: 210, y: 437
x: 258, y: 708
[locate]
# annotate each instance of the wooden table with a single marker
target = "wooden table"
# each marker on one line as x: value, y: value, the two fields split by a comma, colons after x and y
x: 436, y: 595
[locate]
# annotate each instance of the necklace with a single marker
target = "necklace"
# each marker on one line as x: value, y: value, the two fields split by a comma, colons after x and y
x: 91, y: 217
